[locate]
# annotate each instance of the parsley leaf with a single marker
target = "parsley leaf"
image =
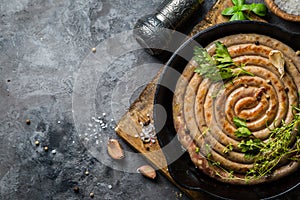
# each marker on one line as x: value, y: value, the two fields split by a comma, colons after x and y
x: 219, y: 67
x: 239, y: 122
x: 242, y: 130
x: 222, y: 55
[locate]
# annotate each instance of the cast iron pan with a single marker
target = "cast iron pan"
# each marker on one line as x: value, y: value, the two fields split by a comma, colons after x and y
x: 181, y: 168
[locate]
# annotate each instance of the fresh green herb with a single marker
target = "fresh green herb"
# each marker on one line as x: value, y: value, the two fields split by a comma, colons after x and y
x: 268, y: 154
x: 197, y: 150
x: 216, y: 163
x: 207, y: 66
x: 228, y: 148
x: 219, y: 67
x: 241, y: 11
x: 277, y: 148
x: 242, y: 130
x: 208, y: 151
x: 206, y: 130
x: 250, y: 147
x: 239, y: 122
x: 222, y: 55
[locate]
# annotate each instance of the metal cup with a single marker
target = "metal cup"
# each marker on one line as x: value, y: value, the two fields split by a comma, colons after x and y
x: 154, y: 31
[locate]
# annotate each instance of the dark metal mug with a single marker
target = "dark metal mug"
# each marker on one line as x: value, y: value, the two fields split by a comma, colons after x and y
x: 154, y: 30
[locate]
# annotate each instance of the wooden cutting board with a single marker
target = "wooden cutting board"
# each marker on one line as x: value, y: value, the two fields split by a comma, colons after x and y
x: 129, y: 126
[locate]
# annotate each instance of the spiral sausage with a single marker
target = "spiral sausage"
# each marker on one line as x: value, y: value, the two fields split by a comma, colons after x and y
x: 203, y: 111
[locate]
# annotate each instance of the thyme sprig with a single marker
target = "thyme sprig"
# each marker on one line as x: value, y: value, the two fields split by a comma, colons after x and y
x: 267, y: 155
x: 277, y: 149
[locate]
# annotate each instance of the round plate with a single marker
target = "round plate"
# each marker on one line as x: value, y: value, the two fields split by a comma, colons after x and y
x: 180, y: 166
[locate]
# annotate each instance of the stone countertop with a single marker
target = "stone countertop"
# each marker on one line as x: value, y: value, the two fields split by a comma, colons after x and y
x: 49, y: 75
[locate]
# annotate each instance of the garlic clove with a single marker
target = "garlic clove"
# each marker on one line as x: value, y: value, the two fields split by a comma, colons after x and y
x: 114, y: 149
x: 276, y: 58
x: 147, y: 171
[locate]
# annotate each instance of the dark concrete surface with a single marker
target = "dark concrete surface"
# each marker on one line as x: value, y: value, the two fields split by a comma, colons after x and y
x: 45, y: 46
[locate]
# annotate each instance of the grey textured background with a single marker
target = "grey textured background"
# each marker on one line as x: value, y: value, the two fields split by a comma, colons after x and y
x: 43, y: 44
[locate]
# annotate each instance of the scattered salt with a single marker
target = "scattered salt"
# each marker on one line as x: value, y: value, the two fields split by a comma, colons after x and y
x: 289, y: 6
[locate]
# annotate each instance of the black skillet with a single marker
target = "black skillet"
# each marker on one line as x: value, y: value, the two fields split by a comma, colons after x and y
x: 180, y: 166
